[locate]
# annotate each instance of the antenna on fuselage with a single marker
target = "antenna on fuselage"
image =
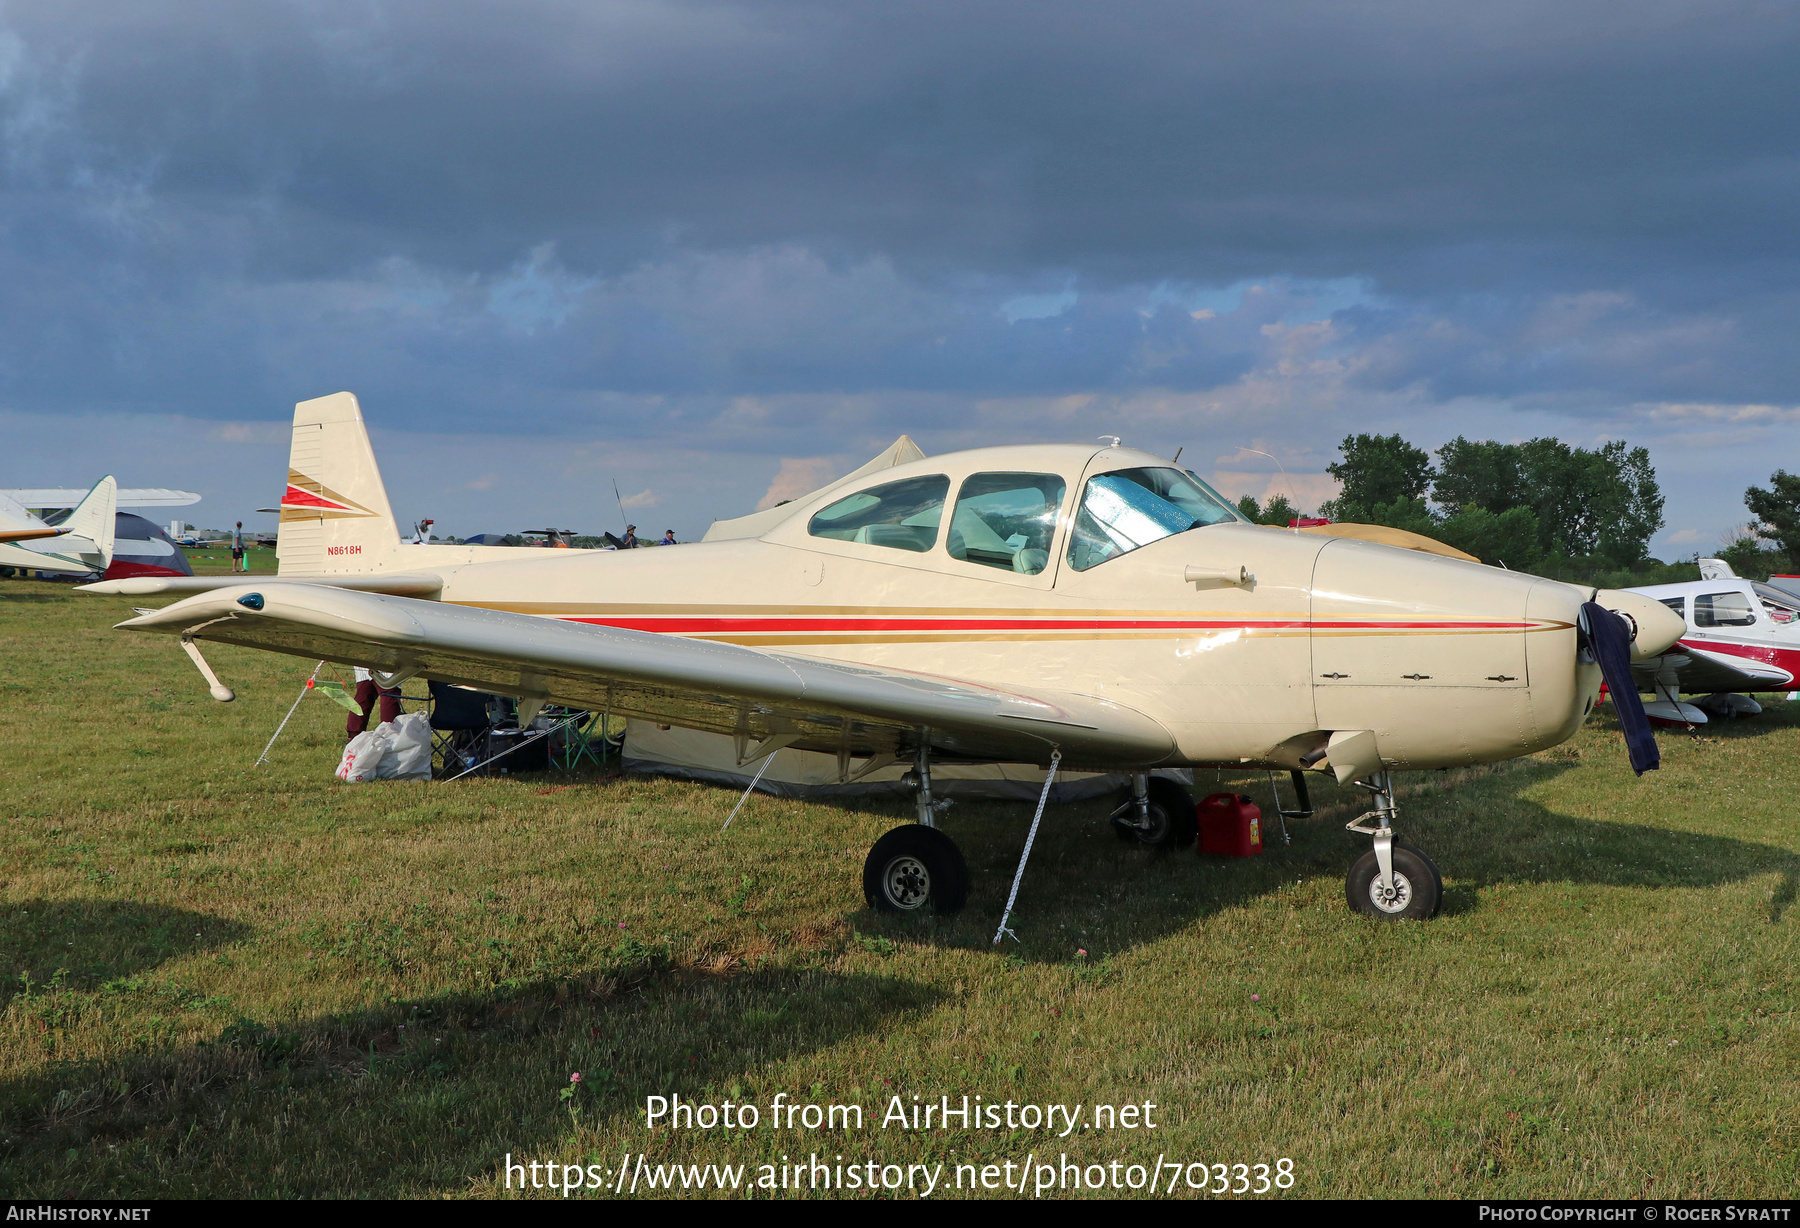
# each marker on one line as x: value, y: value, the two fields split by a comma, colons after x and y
x: 1114, y: 438
x: 1292, y: 489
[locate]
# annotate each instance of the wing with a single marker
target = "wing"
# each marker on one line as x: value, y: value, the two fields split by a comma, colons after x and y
x: 1699, y: 671
x: 400, y: 584
x: 699, y: 684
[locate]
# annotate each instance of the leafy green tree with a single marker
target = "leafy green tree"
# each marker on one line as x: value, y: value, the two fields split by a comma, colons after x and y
x: 1486, y: 475
x: 1277, y: 511
x: 1605, y: 503
x: 1410, y: 514
x: 1777, y: 511
x: 1509, y: 539
x: 1377, y: 471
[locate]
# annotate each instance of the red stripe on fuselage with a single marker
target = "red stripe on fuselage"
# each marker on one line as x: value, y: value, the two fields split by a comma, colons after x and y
x: 1781, y: 658
x: 684, y: 625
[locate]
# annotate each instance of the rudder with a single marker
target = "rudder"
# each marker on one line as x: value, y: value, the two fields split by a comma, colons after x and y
x: 95, y: 519
x: 335, y: 515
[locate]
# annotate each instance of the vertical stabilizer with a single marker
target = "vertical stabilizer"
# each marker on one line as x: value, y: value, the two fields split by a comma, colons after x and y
x: 92, y: 524
x: 335, y: 516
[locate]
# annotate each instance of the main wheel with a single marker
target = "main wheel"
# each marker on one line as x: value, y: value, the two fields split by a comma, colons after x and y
x: 1171, y: 814
x: 913, y: 867
x: 1417, y: 891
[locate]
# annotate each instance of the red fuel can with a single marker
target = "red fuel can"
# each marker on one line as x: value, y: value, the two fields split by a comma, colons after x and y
x: 1230, y: 825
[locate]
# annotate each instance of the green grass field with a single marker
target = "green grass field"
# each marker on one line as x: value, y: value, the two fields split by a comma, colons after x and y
x: 224, y: 980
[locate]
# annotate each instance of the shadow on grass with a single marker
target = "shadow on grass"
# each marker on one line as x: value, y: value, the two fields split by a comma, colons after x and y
x: 82, y: 944
x: 423, y: 1095
x: 1085, y: 889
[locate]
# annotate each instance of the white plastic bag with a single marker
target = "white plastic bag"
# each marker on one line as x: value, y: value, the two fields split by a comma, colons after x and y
x: 363, y: 756
x: 409, y: 749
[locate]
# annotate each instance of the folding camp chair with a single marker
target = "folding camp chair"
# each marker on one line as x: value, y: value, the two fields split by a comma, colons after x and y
x: 575, y: 741
x: 461, y: 722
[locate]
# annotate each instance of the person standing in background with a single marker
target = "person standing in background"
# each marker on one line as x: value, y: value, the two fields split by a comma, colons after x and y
x: 367, y: 692
x: 668, y: 538
x: 238, y: 562
x: 629, y: 541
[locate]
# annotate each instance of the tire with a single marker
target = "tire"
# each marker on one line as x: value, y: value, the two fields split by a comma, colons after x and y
x: 913, y: 868
x: 1172, y: 822
x: 1419, y: 886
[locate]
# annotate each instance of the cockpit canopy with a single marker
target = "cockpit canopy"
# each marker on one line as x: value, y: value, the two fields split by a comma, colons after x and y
x: 1008, y: 519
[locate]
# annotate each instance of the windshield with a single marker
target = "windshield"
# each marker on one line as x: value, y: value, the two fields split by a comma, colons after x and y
x: 1128, y: 508
x: 1781, y: 606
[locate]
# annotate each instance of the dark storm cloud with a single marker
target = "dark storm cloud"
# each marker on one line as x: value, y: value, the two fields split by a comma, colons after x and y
x: 1136, y: 141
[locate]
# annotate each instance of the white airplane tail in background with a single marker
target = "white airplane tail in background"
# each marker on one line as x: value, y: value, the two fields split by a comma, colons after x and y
x: 92, y: 524
x: 335, y: 516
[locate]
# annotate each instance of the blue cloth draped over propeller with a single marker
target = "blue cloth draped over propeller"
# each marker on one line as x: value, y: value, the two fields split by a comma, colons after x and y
x: 1611, y: 641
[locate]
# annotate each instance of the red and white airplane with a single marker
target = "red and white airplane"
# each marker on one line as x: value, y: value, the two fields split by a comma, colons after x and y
x: 1741, y: 636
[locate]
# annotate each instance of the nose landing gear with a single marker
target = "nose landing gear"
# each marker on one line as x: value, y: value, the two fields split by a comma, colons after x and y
x: 1392, y: 881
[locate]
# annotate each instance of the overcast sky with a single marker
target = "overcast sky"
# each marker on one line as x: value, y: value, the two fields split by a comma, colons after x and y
x: 721, y: 252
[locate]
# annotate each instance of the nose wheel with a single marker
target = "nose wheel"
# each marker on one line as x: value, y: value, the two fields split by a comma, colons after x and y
x: 1412, y: 893
x: 1392, y: 881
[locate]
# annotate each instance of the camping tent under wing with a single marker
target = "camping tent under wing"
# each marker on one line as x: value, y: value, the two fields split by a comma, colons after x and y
x: 712, y: 757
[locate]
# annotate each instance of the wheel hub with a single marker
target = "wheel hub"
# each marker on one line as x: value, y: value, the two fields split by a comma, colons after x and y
x: 1395, y: 898
x: 906, y: 882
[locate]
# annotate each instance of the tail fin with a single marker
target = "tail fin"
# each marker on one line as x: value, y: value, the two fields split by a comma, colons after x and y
x: 92, y: 524
x: 334, y: 515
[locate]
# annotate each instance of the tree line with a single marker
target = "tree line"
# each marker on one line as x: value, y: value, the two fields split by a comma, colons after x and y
x: 1540, y: 506
x: 1771, y: 543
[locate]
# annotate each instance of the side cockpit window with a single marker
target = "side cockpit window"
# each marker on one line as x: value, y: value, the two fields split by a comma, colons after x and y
x: 1723, y: 610
x: 1006, y: 520
x: 1128, y: 508
x: 1678, y: 604
x: 900, y: 515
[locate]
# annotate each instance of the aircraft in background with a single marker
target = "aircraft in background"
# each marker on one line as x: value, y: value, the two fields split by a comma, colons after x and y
x: 51, y: 498
x: 1091, y: 607
x: 82, y: 542
x: 338, y: 528
x: 1739, y: 636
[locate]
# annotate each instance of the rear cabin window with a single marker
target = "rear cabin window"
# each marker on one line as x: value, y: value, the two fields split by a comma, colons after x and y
x: 1723, y: 610
x: 1128, y: 508
x: 1006, y: 520
x: 900, y: 515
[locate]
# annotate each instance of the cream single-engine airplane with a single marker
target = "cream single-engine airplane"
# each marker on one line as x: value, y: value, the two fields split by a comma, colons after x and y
x: 1095, y: 607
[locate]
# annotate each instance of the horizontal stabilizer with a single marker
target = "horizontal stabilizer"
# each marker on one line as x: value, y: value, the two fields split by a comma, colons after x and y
x: 27, y: 535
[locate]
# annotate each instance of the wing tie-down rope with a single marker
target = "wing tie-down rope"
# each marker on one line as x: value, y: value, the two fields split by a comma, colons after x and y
x: 1030, y: 836
x: 264, y: 757
x: 767, y: 760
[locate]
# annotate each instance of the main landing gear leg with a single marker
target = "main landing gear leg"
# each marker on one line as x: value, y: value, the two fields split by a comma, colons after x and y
x: 1393, y: 881
x: 1158, y: 814
x: 916, y: 865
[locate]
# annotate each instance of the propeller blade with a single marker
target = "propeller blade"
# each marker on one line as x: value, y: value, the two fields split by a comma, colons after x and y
x: 1609, y: 637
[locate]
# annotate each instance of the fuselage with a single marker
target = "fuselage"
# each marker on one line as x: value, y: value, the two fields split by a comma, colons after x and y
x: 1753, y: 627
x: 1447, y: 662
